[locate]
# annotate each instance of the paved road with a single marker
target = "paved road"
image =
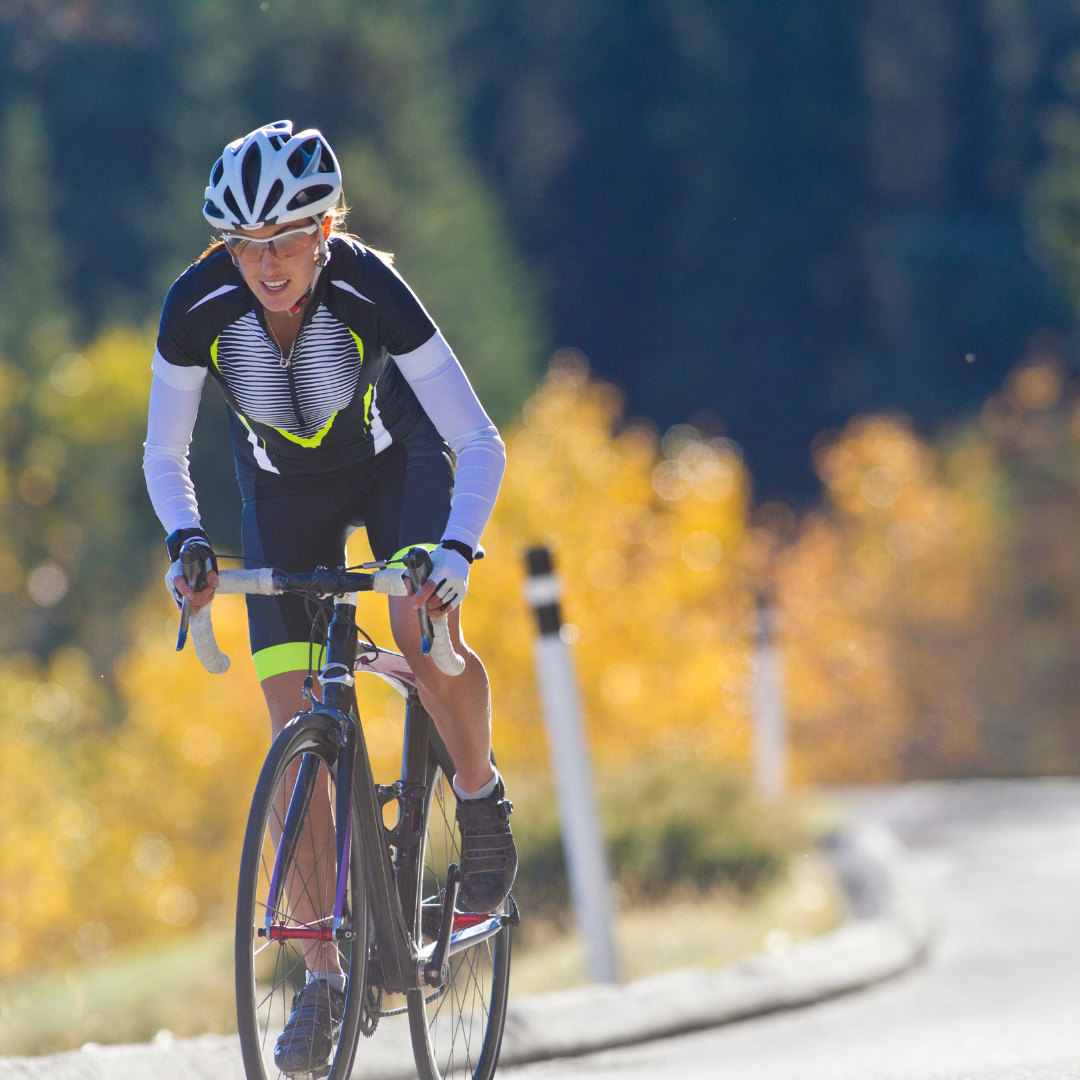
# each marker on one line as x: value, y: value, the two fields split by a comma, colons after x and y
x: 999, y: 998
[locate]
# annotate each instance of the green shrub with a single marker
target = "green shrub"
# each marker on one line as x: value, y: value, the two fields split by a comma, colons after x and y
x: 669, y: 827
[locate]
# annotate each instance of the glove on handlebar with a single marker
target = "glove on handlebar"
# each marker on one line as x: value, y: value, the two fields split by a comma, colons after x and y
x: 451, y: 570
x: 448, y: 567
x: 192, y: 557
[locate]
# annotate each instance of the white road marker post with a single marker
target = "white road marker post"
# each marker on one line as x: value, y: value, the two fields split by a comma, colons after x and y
x: 583, y: 842
x: 770, y: 724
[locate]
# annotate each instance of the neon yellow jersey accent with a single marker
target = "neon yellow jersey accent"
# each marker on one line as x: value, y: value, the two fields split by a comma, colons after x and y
x: 292, y: 656
x: 369, y: 397
x: 309, y: 444
x: 359, y: 345
x: 213, y: 352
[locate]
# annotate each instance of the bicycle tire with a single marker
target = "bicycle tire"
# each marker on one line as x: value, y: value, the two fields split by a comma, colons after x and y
x: 457, y: 1033
x: 261, y: 1013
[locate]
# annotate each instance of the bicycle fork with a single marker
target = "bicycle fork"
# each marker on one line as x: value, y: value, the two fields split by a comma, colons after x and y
x: 289, y: 841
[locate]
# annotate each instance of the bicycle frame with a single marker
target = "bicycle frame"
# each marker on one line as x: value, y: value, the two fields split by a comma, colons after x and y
x: 401, y: 963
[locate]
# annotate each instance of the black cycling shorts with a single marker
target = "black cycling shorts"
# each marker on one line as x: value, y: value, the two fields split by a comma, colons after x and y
x: 297, y: 523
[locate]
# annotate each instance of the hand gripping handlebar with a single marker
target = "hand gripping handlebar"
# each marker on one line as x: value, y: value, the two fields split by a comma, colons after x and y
x: 434, y: 632
x: 267, y: 582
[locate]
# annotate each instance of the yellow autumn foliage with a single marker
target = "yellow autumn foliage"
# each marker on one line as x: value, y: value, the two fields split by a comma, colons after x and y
x: 655, y: 602
x: 114, y: 835
x: 645, y: 537
x: 870, y: 594
x: 894, y: 616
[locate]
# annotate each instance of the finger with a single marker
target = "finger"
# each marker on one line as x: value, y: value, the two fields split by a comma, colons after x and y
x: 424, y: 595
x: 182, y: 587
x: 212, y: 580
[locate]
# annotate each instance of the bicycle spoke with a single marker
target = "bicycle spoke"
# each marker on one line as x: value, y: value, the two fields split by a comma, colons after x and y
x: 464, y: 1024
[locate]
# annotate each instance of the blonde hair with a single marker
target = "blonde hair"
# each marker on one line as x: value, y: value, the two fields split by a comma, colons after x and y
x: 338, y: 216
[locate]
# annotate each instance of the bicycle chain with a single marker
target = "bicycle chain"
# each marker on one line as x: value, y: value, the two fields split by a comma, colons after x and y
x: 427, y: 1001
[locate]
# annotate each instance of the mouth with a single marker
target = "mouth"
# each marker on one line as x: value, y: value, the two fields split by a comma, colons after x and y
x: 275, y: 287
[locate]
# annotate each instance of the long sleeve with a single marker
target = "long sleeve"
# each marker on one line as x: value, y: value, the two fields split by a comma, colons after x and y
x: 446, y: 395
x: 165, y: 457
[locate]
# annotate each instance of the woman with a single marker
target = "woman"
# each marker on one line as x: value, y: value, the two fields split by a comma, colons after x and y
x: 344, y: 403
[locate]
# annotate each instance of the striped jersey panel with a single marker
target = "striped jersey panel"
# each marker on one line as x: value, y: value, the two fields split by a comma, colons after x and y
x: 325, y: 364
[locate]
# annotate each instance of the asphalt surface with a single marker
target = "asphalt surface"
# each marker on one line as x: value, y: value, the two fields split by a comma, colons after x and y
x: 997, y: 999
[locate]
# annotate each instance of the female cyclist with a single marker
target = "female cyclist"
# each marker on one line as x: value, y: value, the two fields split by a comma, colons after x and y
x: 345, y: 402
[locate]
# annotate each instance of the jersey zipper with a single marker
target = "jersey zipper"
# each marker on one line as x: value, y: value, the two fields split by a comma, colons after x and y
x: 290, y: 372
x: 287, y: 364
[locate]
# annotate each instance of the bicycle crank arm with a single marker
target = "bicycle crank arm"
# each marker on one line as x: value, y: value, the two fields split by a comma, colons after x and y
x: 436, y: 970
x: 469, y: 930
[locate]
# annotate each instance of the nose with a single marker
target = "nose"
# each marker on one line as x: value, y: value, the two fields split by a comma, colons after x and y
x: 268, y: 263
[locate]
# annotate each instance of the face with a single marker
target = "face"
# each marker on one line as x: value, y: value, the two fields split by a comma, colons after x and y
x: 279, y: 282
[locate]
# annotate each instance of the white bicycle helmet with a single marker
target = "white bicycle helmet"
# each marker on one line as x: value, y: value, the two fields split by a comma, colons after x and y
x: 271, y: 177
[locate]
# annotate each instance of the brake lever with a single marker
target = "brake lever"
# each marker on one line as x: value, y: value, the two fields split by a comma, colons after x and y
x: 185, y: 618
x: 418, y: 565
x: 194, y: 569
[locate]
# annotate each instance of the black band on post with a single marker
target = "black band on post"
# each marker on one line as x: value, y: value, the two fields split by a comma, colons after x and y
x: 542, y: 590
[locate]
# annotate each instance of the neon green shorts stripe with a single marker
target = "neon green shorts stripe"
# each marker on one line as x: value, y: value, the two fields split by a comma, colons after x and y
x: 292, y: 656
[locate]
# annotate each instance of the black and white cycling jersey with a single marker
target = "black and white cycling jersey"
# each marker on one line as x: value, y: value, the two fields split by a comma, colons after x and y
x: 368, y: 363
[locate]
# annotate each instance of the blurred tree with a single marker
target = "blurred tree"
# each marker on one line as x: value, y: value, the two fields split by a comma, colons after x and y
x: 779, y: 214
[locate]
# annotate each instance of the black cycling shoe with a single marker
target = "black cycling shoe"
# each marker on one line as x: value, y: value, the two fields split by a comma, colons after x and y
x: 488, y: 856
x: 303, y: 1048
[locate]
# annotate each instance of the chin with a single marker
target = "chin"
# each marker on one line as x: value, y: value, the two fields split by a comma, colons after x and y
x: 277, y: 301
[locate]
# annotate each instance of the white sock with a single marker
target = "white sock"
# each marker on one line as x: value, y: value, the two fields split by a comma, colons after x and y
x: 483, y: 793
x: 332, y: 977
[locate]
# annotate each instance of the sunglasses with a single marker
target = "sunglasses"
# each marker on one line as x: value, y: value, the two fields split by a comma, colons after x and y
x: 283, y: 245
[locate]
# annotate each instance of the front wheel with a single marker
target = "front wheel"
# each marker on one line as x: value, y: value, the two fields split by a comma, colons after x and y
x: 296, y: 796
x: 456, y: 1030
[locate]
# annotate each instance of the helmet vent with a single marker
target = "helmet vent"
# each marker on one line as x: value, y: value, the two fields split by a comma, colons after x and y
x: 276, y: 192
x: 230, y: 202
x: 250, y: 172
x: 218, y: 173
x: 300, y: 158
x: 310, y: 194
x: 213, y: 210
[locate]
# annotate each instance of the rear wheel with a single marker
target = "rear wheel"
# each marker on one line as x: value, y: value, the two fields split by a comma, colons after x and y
x: 270, y: 968
x: 456, y: 1030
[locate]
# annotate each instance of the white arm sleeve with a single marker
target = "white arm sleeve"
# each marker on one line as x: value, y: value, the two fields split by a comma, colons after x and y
x: 449, y: 400
x: 173, y: 410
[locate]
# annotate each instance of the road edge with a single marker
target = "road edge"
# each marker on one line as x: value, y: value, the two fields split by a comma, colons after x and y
x: 888, y: 930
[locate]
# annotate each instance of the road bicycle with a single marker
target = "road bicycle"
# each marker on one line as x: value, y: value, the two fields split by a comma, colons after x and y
x: 321, y: 869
